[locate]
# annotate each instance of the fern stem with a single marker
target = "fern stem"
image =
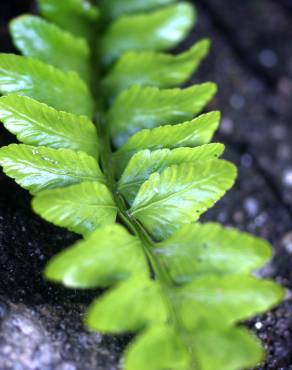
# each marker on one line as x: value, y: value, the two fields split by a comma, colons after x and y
x: 160, y: 271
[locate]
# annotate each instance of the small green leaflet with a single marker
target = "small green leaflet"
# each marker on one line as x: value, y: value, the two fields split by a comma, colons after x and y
x: 148, y: 107
x: 154, y: 69
x: 37, y: 124
x: 180, y: 194
x: 233, y: 298
x: 43, y: 82
x: 81, y: 208
x: 229, y: 349
x: 158, y: 348
x: 37, y: 38
x: 197, y: 250
x: 115, y: 8
x: 140, y: 296
x: 41, y: 168
x: 145, y: 162
x: 156, y: 31
x: 161, y: 347
x: 107, y: 256
x: 75, y: 16
x: 197, y: 132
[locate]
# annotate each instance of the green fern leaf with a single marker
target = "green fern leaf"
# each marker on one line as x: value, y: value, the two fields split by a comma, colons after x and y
x: 197, y: 132
x: 145, y: 162
x: 115, y: 8
x: 37, y: 169
x: 180, y: 194
x: 159, y: 30
x: 198, y: 250
x: 75, y: 16
x: 148, y: 107
x: 158, y: 348
x: 110, y: 313
x: 93, y: 208
x: 40, y: 81
x: 75, y: 267
x: 210, y: 348
x: 154, y: 69
x: 161, y: 346
x: 37, y: 38
x: 228, y: 297
x: 37, y: 124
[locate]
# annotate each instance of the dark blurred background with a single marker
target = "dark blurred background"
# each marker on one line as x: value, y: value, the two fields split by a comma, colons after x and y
x: 251, y: 60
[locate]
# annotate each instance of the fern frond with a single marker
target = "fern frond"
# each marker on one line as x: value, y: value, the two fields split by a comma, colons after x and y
x: 158, y: 31
x: 113, y: 149
x: 45, y: 83
x: 150, y: 68
x: 40, y: 39
x: 38, y: 124
x: 149, y: 107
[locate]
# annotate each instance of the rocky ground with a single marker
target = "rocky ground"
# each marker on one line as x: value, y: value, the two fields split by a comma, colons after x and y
x: 251, y: 60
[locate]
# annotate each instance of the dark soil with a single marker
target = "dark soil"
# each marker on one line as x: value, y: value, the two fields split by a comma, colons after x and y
x: 251, y: 60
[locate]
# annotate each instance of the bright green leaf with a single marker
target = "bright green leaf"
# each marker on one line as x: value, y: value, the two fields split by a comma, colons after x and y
x: 196, y: 250
x: 145, y: 162
x: 131, y: 306
x: 75, y: 16
x: 154, y: 69
x: 41, y: 168
x: 180, y: 195
x: 162, y: 348
x: 107, y: 256
x: 37, y: 124
x: 115, y: 8
x: 42, y: 40
x: 158, y: 348
x: 81, y: 208
x: 231, y: 349
x: 231, y: 298
x: 159, y: 30
x: 45, y: 83
x: 197, y: 132
x: 148, y: 107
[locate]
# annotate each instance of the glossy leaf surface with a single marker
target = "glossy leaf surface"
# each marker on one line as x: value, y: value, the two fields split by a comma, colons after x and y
x: 108, y: 255
x: 154, y: 69
x: 155, y: 31
x: 93, y: 208
x: 198, y: 250
x: 76, y: 16
x: 41, y: 168
x: 180, y: 194
x: 37, y: 124
x: 45, y: 83
x: 197, y: 132
x: 37, y: 38
x: 115, y: 8
x: 148, y: 107
x: 145, y: 162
